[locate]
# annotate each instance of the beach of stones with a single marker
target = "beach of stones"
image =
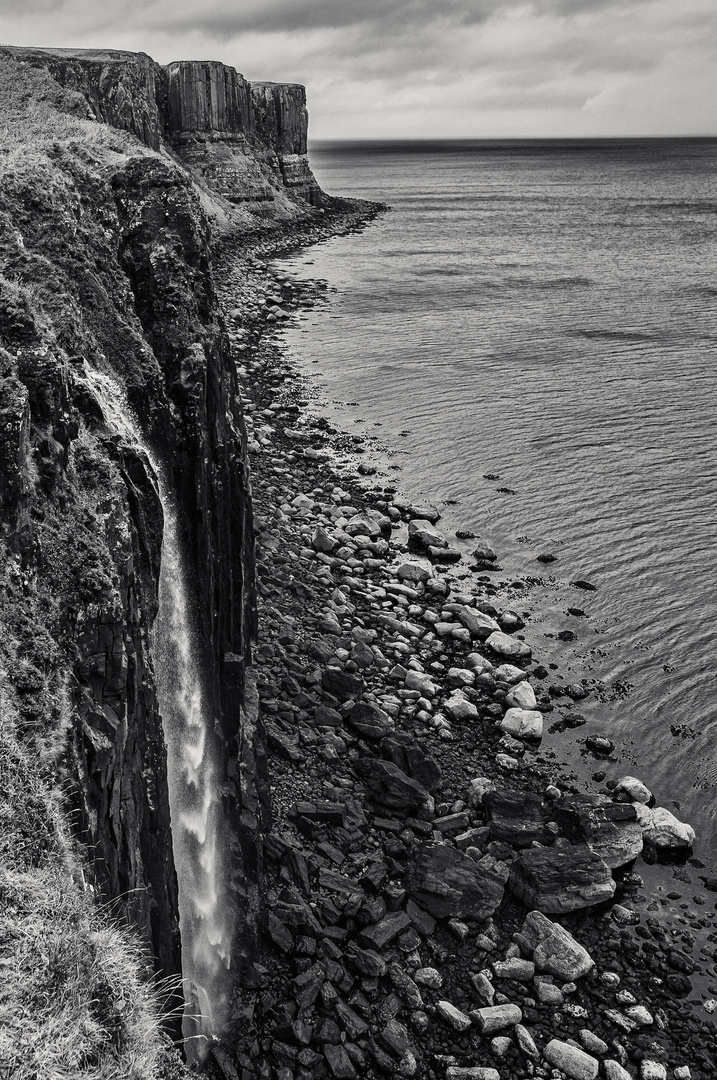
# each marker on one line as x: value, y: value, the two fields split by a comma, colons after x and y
x: 440, y: 903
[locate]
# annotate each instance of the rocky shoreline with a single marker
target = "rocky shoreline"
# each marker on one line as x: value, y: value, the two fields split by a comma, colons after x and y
x: 439, y: 902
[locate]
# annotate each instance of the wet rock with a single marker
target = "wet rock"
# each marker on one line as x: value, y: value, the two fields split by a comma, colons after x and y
x: 483, y: 552
x: 609, y: 829
x: 508, y: 647
x: 587, y: 586
x: 480, y: 625
x: 558, y: 880
x: 664, y: 833
x: 526, y: 724
x: 630, y: 789
x: 572, y: 1061
x: 422, y: 533
x: 448, y: 883
x: 554, y: 948
x: 389, y: 786
x: 472, y: 1072
x: 521, y: 696
x: 446, y: 554
x: 515, y: 817
x: 413, y: 571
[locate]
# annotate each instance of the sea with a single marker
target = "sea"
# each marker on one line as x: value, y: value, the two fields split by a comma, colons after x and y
x: 528, y: 338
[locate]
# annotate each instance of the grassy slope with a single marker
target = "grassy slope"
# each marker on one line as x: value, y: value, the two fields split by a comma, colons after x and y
x: 75, y: 997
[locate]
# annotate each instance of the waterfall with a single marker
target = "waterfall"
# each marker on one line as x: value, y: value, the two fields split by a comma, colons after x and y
x: 193, y: 739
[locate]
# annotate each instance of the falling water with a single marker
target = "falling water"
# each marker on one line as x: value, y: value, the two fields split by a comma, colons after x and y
x: 193, y: 744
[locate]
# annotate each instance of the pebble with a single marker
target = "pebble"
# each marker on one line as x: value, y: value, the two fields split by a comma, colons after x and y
x: 572, y: 1061
x: 453, y: 1016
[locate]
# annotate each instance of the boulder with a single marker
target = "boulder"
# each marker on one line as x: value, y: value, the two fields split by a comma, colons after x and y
x: 555, y: 950
x: 418, y: 680
x: 411, y: 758
x: 422, y: 533
x: 449, y: 884
x: 413, y: 571
x: 496, y: 1018
x: 521, y: 696
x: 389, y: 786
x: 557, y: 880
x: 524, y: 724
x: 630, y: 789
x: 572, y: 1061
x: 477, y: 788
x: 483, y: 552
x: 460, y: 708
x: 368, y: 720
x: 480, y: 625
x: 609, y: 829
x: 508, y: 647
x: 341, y: 684
x: 516, y: 817
x: 664, y: 833
x: 368, y: 523
x: 509, y: 673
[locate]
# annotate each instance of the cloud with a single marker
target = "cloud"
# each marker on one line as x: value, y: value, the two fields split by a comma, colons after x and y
x: 429, y: 67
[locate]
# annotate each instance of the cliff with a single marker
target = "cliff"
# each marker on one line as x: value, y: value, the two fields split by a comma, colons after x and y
x: 106, y: 281
x: 248, y: 142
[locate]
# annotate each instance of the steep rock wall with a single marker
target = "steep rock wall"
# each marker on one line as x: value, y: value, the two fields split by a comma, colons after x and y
x: 104, y: 267
x: 247, y: 141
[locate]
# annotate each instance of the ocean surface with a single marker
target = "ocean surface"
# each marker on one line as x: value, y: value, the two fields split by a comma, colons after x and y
x: 546, y: 313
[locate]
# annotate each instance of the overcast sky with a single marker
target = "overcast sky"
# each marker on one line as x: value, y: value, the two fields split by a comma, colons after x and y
x: 428, y: 68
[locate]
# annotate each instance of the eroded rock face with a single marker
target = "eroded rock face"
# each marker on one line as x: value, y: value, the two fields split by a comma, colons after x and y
x: 248, y: 141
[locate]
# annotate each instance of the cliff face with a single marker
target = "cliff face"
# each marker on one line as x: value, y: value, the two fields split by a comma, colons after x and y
x: 105, y: 273
x: 248, y: 141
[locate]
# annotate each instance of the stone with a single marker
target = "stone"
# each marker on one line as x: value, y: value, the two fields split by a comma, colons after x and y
x: 411, y: 758
x: 554, y: 948
x: 453, y: 1016
x: 639, y: 1015
x: 613, y: 1070
x: 483, y: 552
x: 521, y: 696
x: 609, y: 829
x: 652, y: 1070
x: 449, y: 884
x: 526, y: 1042
x: 515, y: 817
x: 496, y: 1017
x: 339, y: 1062
x: 480, y: 625
x: 413, y: 571
x: 631, y: 789
x: 509, y: 673
x: 368, y: 523
x: 418, y: 680
x: 459, y: 677
x: 389, y: 786
x: 421, y: 532
x: 572, y: 1061
x: 472, y: 1072
x: 477, y: 788
x: 342, y: 684
x: 500, y: 1046
x: 460, y: 708
x: 370, y: 721
x: 524, y: 724
x: 662, y: 831
x: 428, y: 976
x: 508, y: 647
x: 549, y: 994
x: 558, y: 880
x: 515, y: 968
x: 592, y: 1043
x: 384, y: 931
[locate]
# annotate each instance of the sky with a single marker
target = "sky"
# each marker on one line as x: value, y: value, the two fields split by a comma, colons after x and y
x: 428, y: 68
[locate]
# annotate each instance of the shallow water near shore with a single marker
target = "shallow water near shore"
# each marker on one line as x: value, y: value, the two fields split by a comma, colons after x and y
x: 547, y: 314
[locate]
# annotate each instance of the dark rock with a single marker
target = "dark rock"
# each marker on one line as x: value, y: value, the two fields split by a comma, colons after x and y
x: 370, y: 721
x: 609, y: 829
x: 339, y: 1062
x: 449, y: 884
x: 341, y: 684
x: 582, y: 584
x: 515, y: 817
x: 412, y: 759
x: 384, y: 931
x: 557, y: 880
x: 389, y: 786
